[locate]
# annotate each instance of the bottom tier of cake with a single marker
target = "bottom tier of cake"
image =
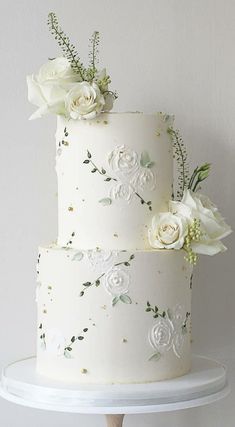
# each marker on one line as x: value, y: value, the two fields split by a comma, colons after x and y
x: 113, y: 316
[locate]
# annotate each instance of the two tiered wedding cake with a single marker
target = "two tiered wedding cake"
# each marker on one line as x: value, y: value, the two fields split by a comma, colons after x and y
x: 114, y: 293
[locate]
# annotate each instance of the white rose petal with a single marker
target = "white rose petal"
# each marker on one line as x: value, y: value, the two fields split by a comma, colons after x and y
x: 47, y: 89
x: 212, y: 224
x: 84, y: 101
x: 168, y: 231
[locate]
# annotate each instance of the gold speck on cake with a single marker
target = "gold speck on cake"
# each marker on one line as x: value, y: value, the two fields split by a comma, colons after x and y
x: 70, y: 209
x: 158, y: 133
x: 115, y: 235
x: 105, y: 122
x: 66, y: 143
x: 83, y: 371
x: 104, y: 307
x: 44, y: 311
x: 124, y: 340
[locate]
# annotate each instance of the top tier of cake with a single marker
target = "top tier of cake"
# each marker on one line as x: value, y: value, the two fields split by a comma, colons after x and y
x: 114, y: 173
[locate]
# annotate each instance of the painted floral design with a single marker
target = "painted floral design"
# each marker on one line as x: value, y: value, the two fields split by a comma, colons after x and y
x: 161, y: 335
x: 54, y: 342
x: 144, y: 180
x: 132, y: 174
x: 101, y: 259
x: 115, y: 280
x: 169, y: 330
x: 122, y: 191
x: 123, y: 160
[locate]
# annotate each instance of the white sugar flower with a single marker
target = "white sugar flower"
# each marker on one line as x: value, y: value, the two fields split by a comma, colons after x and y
x: 47, y: 89
x: 124, y: 160
x: 122, y: 191
x: 84, y: 101
x: 168, y: 231
x: 212, y: 224
x: 117, y: 281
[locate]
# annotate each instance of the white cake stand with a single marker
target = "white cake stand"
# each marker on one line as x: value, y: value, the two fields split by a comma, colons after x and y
x: 206, y: 383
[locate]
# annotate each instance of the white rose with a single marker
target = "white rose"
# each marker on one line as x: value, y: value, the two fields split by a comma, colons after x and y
x: 117, y: 281
x: 55, y: 342
x: 84, y: 101
x: 161, y: 335
x: 168, y: 231
x: 122, y: 191
x: 213, y: 226
x: 144, y: 180
x: 47, y: 89
x: 123, y: 160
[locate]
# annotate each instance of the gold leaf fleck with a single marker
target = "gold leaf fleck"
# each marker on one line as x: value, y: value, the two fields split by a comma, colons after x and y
x: 83, y: 371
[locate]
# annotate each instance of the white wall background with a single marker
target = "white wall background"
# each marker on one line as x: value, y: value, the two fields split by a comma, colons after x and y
x: 170, y: 55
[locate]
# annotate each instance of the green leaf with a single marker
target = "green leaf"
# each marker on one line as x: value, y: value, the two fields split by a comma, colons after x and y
x: 132, y: 256
x: 88, y: 154
x: 148, y: 309
x: 127, y: 264
x: 81, y: 293
x: 150, y: 165
x: 97, y: 283
x: 73, y: 339
x: 114, y: 301
x: 155, y: 357
x: 80, y: 338
x: 67, y: 354
x: 106, y: 201
x: 86, y: 284
x: 78, y: 256
x: 148, y: 304
x: 108, y: 179
x: 94, y: 170
x: 69, y: 348
x: 86, y: 161
x: 169, y: 313
x: 85, y: 329
x: 126, y: 299
x: 144, y: 159
x: 103, y: 171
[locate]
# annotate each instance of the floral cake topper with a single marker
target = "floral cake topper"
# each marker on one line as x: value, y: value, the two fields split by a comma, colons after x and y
x: 193, y: 222
x: 64, y: 86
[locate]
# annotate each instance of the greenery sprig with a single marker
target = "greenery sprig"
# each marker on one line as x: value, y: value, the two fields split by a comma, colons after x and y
x: 89, y: 74
x: 95, y: 168
x: 155, y: 311
x: 74, y: 338
x: 181, y: 156
x: 67, y: 47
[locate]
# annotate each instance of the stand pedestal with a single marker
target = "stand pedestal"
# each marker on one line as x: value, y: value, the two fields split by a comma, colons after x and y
x: 206, y: 383
x: 114, y: 420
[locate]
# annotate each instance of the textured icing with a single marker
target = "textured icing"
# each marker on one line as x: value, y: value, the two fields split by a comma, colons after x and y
x: 113, y: 316
x: 113, y: 174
